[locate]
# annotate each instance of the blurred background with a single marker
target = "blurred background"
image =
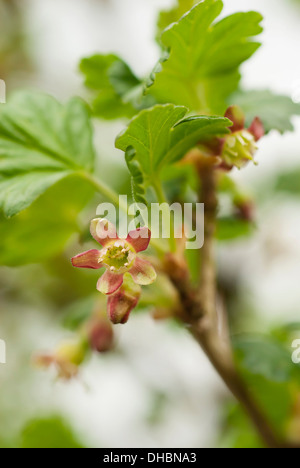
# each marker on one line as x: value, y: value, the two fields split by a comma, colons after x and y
x: 157, y: 389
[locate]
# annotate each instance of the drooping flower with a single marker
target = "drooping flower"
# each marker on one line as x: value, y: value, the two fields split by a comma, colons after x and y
x: 232, y: 150
x: 100, y: 334
x: 123, y: 301
x: 239, y: 146
x: 66, y: 359
x: 118, y: 256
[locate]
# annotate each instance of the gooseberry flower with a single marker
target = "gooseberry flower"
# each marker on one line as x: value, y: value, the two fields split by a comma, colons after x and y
x: 233, y: 150
x: 123, y: 301
x: 239, y: 146
x: 100, y: 334
x: 118, y: 256
x: 66, y: 359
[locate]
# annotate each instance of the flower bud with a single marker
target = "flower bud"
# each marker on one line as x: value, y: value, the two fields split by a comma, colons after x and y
x: 100, y: 334
x: 246, y: 210
x: 239, y: 148
x: 122, y: 302
x: 66, y: 358
x: 72, y: 352
x: 245, y: 206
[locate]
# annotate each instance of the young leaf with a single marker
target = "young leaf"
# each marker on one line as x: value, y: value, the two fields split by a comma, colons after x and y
x: 270, y: 374
x: 237, y: 431
x: 275, y: 398
x: 41, y: 142
x: 119, y: 93
x: 171, y: 16
x: 288, y: 182
x: 231, y: 228
x: 42, y: 230
x: 158, y: 136
x: 275, y: 111
x: 202, y: 67
x: 49, y: 432
x: 263, y: 356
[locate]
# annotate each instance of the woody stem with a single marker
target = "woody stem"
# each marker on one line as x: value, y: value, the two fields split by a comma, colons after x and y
x: 199, y: 313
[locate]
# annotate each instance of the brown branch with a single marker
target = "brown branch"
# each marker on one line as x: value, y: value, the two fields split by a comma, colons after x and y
x: 208, y: 270
x: 199, y: 313
x: 220, y: 355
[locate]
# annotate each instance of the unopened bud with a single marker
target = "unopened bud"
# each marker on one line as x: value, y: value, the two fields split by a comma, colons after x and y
x: 239, y: 148
x: 66, y: 358
x: 72, y: 352
x: 100, y: 334
x: 122, y: 302
x: 245, y: 206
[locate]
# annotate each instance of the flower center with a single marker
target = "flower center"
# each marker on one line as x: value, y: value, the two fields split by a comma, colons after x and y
x: 239, y: 147
x: 118, y: 256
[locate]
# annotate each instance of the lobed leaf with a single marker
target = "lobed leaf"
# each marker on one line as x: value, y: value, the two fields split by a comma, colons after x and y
x: 266, y: 357
x: 41, y: 142
x: 288, y: 182
x: 274, y: 110
x: 167, y: 17
x: 160, y: 136
x: 201, y: 68
x: 118, y: 92
x: 230, y: 228
x: 42, y: 230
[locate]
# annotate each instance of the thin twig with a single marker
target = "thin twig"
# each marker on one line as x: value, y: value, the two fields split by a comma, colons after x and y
x: 208, y: 269
x: 199, y: 313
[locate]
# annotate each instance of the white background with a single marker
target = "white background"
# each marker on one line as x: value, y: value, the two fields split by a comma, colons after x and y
x: 110, y: 404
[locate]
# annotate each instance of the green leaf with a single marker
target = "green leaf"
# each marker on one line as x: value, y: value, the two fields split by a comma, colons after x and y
x: 270, y: 375
x: 109, y: 106
x: 174, y: 14
x: 52, y: 432
x: 41, y: 142
x: 42, y: 230
x: 180, y: 181
x: 160, y: 136
x: 286, y: 333
x: 201, y: 68
x: 238, y: 431
x: 274, y: 110
x: 265, y: 357
x: 118, y: 92
x: 274, y: 398
x: 231, y: 228
x: 288, y: 182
